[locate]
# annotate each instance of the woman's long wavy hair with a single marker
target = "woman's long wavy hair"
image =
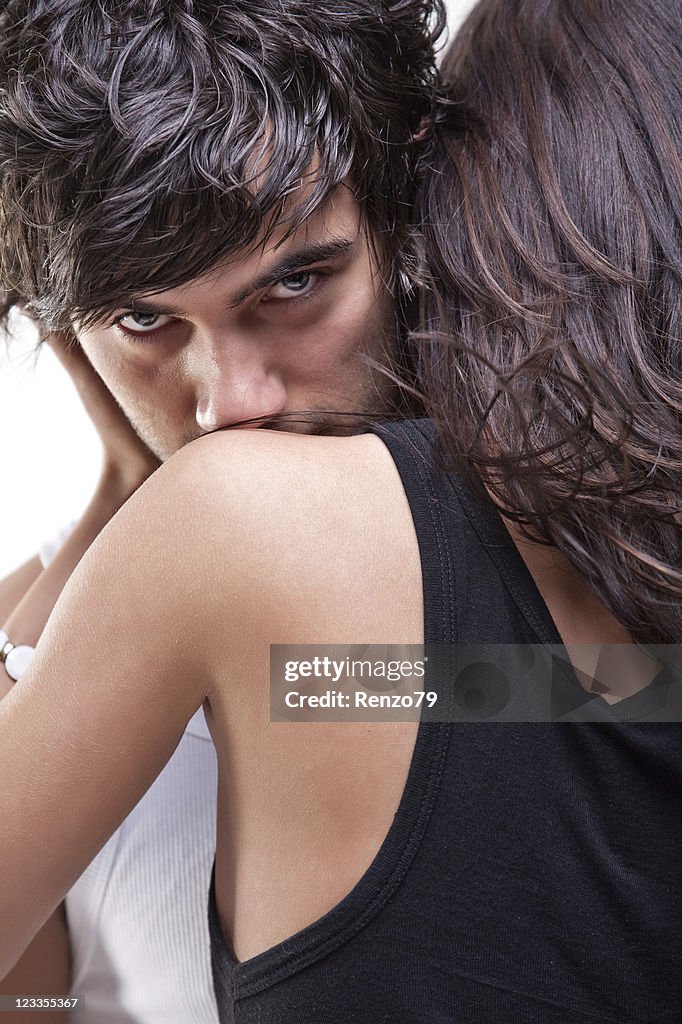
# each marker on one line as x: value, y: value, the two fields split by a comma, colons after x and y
x: 551, y: 347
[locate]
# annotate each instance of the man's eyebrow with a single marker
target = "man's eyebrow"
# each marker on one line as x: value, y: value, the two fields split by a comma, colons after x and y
x: 291, y: 263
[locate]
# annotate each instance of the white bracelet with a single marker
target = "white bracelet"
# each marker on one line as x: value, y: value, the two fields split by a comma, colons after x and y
x: 15, y: 659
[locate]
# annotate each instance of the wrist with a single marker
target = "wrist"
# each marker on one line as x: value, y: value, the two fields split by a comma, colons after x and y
x: 15, y: 658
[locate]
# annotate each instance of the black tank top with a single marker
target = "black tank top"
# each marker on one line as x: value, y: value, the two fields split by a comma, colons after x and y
x: 532, y: 873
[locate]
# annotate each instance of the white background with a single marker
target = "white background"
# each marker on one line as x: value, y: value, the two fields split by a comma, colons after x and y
x: 49, y: 454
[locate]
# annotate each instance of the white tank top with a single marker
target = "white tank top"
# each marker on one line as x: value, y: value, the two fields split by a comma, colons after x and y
x: 138, y: 915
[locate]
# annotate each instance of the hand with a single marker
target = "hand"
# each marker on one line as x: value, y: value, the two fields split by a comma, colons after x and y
x: 127, y: 460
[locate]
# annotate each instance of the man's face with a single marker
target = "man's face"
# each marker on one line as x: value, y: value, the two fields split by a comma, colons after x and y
x: 283, y: 330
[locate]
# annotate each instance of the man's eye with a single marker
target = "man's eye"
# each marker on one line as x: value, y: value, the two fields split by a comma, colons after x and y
x: 294, y: 286
x: 143, y: 323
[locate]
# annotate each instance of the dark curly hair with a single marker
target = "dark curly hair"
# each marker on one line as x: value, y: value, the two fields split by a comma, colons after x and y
x: 551, y: 355
x: 144, y: 142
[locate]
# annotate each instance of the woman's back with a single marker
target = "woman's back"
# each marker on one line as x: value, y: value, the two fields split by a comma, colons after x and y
x: 529, y: 871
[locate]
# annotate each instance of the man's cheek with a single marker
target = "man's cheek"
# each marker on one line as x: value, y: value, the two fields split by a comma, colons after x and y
x: 344, y: 337
x: 107, y: 363
x: 153, y: 410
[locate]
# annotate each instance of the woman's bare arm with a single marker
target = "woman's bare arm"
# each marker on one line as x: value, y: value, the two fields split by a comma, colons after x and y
x: 125, y: 659
x: 115, y: 678
x: 227, y: 546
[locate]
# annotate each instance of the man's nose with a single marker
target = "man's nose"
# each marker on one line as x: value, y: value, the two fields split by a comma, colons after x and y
x: 236, y: 386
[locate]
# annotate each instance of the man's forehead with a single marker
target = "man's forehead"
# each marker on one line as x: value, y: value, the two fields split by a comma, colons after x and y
x: 338, y: 215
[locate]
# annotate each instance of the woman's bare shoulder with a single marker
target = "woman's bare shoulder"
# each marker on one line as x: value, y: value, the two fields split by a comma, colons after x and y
x: 274, y: 484
x: 281, y: 520
x: 250, y: 464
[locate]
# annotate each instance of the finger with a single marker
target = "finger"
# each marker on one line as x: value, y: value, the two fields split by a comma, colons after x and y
x: 60, y: 341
